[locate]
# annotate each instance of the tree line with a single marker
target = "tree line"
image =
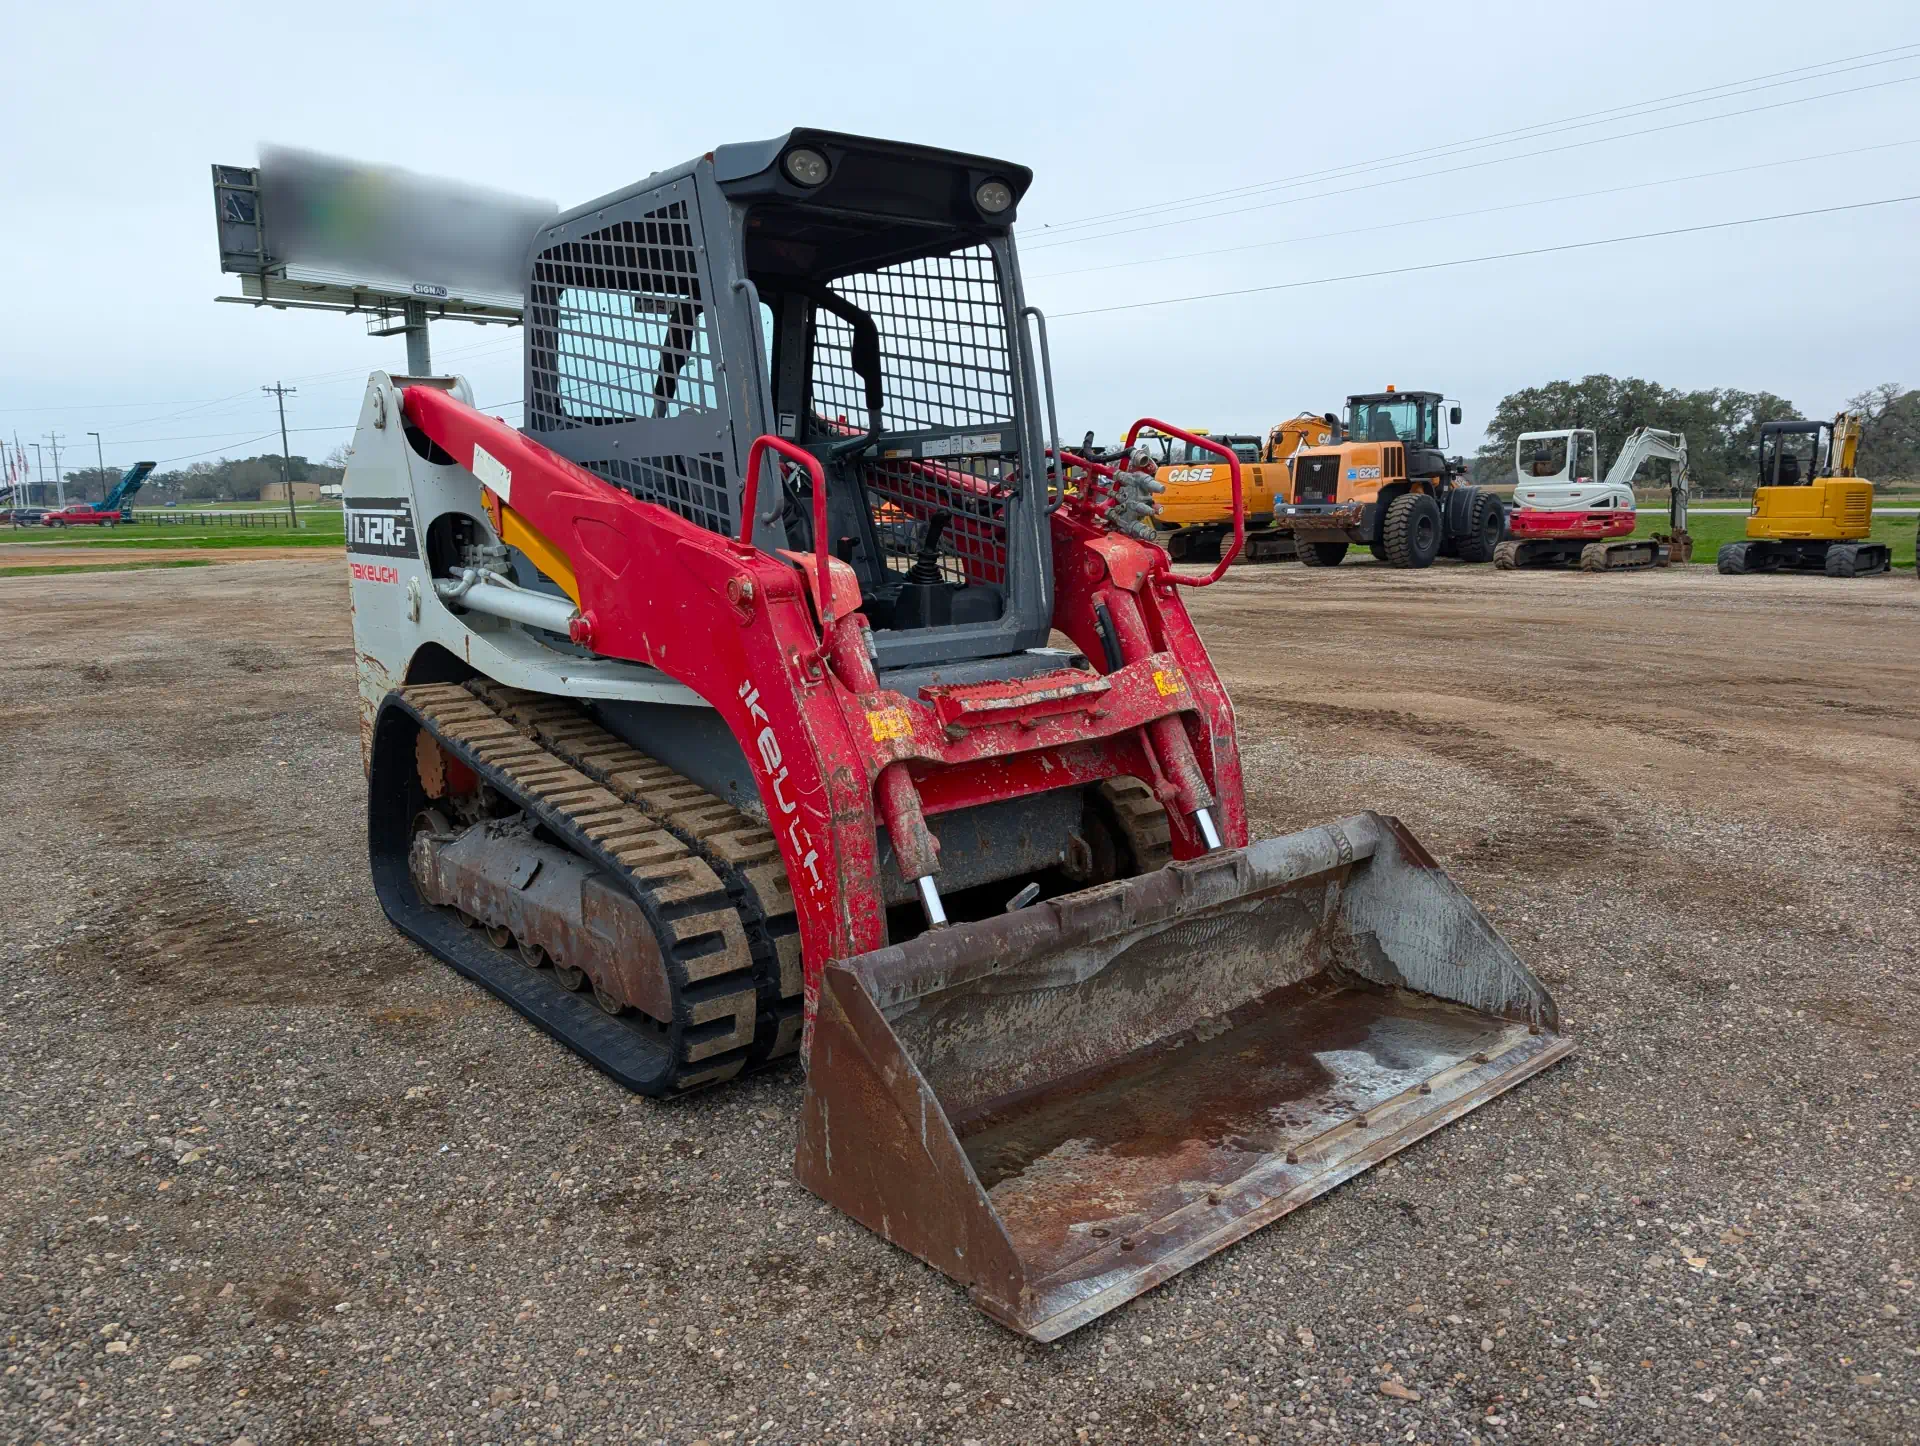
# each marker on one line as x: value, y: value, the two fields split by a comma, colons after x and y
x: 230, y: 479
x: 1722, y: 427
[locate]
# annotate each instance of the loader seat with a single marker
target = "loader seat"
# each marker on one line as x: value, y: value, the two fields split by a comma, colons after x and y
x: 1381, y: 428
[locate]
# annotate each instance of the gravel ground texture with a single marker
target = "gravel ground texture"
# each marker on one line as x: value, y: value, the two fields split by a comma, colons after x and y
x: 273, y: 1175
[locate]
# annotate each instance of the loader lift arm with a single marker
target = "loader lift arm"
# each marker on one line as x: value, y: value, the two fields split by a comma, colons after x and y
x: 791, y: 665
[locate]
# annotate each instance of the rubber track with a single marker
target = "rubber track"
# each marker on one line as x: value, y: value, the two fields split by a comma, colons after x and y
x: 709, y: 959
x: 1142, y: 820
x: 740, y: 850
x: 1615, y: 556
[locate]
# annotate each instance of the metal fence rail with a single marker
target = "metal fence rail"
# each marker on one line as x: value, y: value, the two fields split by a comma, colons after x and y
x: 275, y: 520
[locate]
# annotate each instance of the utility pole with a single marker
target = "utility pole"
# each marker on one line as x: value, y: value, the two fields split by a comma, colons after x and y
x: 39, y: 463
x: 100, y: 457
x: 280, y: 394
x: 59, y: 485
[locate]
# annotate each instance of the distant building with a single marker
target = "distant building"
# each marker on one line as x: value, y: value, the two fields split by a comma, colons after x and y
x: 302, y: 492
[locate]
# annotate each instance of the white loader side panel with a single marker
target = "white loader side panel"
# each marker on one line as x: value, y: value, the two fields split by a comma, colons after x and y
x: 393, y: 496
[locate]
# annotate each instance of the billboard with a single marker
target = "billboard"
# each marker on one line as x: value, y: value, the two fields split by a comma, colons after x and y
x: 313, y: 230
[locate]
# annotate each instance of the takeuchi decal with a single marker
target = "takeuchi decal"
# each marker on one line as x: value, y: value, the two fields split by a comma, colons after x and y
x: 773, y: 766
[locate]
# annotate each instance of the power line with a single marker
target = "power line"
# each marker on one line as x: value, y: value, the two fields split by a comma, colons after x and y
x: 197, y: 404
x: 95, y: 406
x: 1650, y: 106
x: 1497, y: 256
x: 1479, y: 211
x: 1474, y: 165
x: 120, y: 442
x: 189, y: 456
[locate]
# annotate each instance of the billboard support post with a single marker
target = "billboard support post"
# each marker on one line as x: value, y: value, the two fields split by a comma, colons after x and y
x: 419, y: 355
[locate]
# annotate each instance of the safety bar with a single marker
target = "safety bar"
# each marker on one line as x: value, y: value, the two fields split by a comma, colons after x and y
x: 1239, y: 501
x: 1039, y: 318
x: 821, y: 554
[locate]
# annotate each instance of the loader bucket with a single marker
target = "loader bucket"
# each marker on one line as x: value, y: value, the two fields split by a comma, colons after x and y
x: 1064, y: 1106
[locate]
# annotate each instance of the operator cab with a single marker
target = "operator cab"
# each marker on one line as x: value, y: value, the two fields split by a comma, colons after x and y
x: 857, y: 297
x: 1793, y: 454
x: 1172, y: 452
x: 1416, y: 419
x: 888, y: 312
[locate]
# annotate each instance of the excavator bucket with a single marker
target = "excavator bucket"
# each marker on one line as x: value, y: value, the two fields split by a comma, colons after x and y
x: 1063, y: 1106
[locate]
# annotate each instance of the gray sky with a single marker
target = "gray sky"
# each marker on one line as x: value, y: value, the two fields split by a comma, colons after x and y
x: 112, y: 113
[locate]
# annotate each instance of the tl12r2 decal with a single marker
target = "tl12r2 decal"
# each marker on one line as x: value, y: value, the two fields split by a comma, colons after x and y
x: 381, y: 527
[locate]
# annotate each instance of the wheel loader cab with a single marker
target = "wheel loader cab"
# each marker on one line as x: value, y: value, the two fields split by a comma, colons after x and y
x: 1414, y: 419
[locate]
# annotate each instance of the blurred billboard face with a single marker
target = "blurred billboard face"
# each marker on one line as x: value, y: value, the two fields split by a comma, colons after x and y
x: 380, y: 223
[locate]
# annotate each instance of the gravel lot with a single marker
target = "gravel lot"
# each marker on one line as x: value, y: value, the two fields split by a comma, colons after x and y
x: 270, y: 1173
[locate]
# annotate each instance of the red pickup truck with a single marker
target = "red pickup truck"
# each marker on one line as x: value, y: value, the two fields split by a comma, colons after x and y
x: 83, y: 517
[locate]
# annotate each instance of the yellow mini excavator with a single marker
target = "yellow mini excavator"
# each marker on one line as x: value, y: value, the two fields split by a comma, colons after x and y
x: 1810, y: 512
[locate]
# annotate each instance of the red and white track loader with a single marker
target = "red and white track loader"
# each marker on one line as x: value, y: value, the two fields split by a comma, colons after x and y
x: 712, y: 717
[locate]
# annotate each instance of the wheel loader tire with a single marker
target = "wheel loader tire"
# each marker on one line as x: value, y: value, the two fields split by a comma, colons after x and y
x: 1412, y: 532
x: 1506, y: 556
x: 1732, y: 559
x: 1322, y: 554
x: 1379, y: 552
x: 1593, y: 557
x: 1483, y: 535
x: 701, y: 1020
x: 1843, y: 560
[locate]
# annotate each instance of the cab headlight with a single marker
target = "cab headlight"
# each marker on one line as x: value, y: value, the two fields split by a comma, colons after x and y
x: 806, y: 167
x: 993, y: 197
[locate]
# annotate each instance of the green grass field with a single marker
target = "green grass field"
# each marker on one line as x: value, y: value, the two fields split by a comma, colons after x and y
x: 128, y: 566
x: 1713, y: 529
x: 318, y: 530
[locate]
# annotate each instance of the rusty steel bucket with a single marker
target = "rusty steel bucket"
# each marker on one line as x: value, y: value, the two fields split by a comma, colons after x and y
x: 1062, y: 1107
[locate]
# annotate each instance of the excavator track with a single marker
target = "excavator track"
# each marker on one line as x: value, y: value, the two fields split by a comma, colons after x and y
x: 712, y: 1020
x: 740, y: 850
x: 1615, y: 556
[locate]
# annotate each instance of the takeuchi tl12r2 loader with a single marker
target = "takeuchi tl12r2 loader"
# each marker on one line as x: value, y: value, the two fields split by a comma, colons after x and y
x: 1386, y: 481
x: 1810, y: 512
x: 1563, y: 516
x: 712, y: 718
